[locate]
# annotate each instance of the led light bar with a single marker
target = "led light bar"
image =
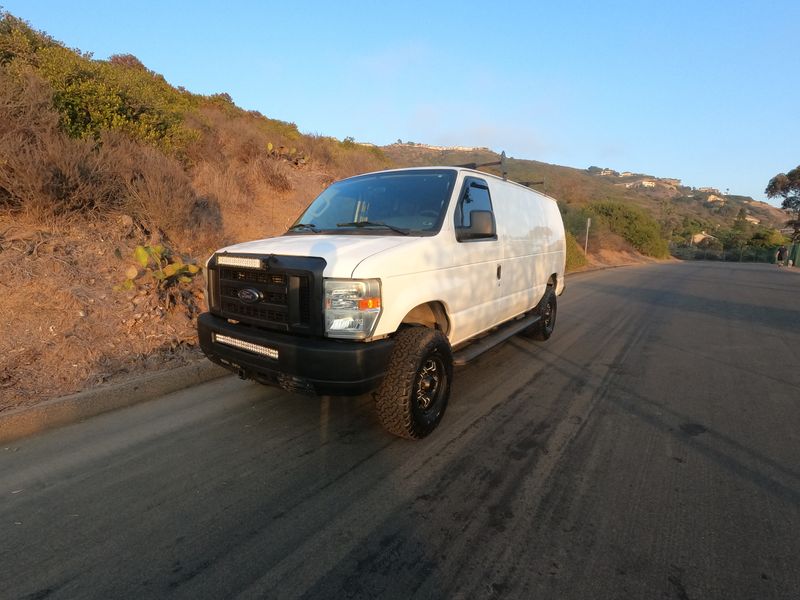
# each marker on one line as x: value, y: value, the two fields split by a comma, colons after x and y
x: 246, y: 346
x: 238, y: 261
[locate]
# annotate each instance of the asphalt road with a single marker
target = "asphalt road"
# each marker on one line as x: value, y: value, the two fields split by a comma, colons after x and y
x: 650, y: 449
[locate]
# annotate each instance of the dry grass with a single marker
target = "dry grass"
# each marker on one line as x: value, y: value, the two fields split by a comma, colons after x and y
x: 72, y: 211
x: 44, y: 174
x: 65, y: 328
x: 346, y: 159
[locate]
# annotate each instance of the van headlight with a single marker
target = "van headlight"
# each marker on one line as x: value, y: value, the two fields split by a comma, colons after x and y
x: 352, y: 307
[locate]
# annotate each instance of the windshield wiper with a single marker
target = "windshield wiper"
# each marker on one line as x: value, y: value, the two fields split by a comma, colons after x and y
x: 304, y: 227
x: 373, y: 224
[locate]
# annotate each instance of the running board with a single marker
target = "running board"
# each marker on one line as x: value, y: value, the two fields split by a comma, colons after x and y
x: 480, y: 346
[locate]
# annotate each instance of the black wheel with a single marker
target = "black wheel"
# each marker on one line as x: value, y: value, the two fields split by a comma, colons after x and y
x: 547, y: 309
x: 412, y: 398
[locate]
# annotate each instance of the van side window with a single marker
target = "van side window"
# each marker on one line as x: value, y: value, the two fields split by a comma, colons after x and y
x: 474, y: 196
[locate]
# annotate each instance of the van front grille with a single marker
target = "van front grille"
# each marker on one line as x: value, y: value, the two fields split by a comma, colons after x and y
x: 254, y: 312
x: 284, y: 295
x: 273, y: 300
x: 252, y: 276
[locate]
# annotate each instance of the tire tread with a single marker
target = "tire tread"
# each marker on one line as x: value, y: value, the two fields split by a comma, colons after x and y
x: 392, y: 398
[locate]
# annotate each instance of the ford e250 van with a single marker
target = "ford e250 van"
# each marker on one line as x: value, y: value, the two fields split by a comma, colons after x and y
x: 384, y: 283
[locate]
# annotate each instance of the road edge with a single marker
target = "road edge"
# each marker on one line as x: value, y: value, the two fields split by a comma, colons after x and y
x: 66, y: 410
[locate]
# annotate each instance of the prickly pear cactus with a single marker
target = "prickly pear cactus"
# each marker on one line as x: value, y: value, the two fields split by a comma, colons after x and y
x: 157, y: 264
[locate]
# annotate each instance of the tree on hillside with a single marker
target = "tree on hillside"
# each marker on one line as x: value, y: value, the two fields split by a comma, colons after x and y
x: 740, y: 223
x: 127, y: 60
x: 767, y: 238
x: 787, y: 186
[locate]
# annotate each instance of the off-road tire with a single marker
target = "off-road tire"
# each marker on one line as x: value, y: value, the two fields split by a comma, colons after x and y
x: 412, y: 397
x: 547, y: 310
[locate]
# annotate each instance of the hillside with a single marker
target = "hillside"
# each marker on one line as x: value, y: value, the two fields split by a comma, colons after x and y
x: 114, y: 189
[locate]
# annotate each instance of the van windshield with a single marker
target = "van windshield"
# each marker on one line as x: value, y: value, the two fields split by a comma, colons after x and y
x: 409, y: 202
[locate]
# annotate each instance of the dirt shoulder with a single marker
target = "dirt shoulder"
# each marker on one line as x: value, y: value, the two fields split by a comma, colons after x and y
x: 603, y: 259
x: 66, y: 325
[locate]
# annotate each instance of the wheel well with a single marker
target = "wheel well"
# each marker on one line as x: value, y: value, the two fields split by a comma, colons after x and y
x: 551, y: 287
x: 430, y: 314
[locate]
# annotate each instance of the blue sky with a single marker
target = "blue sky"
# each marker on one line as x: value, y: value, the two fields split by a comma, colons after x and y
x: 704, y: 91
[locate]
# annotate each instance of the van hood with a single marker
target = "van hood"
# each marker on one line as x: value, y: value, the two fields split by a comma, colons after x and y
x: 342, y: 253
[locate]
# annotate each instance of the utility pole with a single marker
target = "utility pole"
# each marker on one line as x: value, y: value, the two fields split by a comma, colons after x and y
x: 586, y: 241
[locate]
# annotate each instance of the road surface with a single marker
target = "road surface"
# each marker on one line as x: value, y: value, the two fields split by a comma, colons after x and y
x: 650, y: 449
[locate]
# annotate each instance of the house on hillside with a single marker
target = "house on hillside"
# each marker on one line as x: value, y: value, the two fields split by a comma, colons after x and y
x: 708, y: 190
x: 441, y: 148
x: 647, y: 183
x: 699, y: 237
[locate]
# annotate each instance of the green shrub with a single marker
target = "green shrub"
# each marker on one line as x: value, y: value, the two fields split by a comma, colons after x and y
x: 93, y: 96
x: 575, y: 219
x: 18, y: 39
x: 634, y: 225
x: 575, y: 256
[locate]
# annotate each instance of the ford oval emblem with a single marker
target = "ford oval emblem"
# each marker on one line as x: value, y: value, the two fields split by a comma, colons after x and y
x: 249, y: 295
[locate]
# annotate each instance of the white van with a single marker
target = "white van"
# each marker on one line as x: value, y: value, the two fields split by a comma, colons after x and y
x: 384, y: 283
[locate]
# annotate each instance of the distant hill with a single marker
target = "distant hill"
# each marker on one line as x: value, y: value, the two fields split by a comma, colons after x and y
x: 662, y: 197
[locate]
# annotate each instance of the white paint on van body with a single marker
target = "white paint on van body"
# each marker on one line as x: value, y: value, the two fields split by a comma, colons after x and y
x: 461, y: 276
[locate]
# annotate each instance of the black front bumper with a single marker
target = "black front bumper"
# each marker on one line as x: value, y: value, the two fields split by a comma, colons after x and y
x: 304, y: 364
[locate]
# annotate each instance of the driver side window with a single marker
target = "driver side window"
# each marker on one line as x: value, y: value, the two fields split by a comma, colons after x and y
x: 474, y: 196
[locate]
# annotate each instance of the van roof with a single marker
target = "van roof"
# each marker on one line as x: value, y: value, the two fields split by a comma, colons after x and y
x: 460, y: 169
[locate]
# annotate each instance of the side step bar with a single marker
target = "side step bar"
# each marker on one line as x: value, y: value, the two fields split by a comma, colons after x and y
x: 478, y: 347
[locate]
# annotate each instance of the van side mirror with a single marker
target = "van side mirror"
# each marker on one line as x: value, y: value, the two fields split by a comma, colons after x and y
x: 481, y: 226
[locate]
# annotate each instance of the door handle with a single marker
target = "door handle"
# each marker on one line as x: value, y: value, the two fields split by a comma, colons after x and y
x: 499, y: 268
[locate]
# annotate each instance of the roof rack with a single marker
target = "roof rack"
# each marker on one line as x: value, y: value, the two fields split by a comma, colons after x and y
x: 531, y: 183
x: 501, y: 163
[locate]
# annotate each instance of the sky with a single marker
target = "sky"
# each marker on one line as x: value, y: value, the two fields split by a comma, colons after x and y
x: 706, y: 92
